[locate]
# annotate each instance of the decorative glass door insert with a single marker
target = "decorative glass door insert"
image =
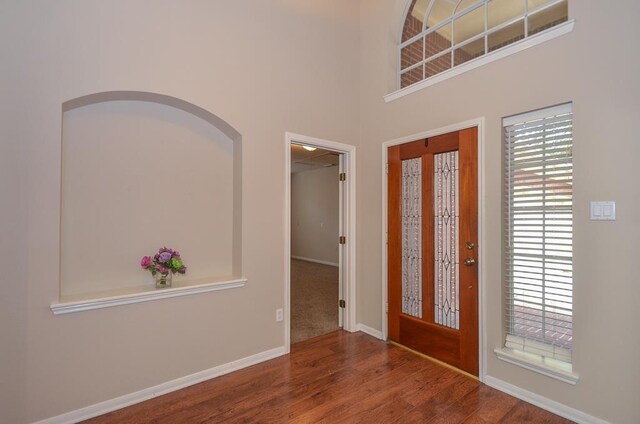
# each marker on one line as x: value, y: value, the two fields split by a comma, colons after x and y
x: 412, y: 237
x: 446, y: 222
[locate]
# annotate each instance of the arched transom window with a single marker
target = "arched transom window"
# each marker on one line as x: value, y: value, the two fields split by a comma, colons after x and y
x: 441, y: 34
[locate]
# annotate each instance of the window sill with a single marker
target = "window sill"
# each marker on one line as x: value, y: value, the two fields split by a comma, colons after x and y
x: 531, y: 41
x: 546, y: 366
x: 143, y: 294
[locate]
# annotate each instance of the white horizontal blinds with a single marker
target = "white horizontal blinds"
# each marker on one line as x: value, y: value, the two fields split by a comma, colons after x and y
x: 539, y: 236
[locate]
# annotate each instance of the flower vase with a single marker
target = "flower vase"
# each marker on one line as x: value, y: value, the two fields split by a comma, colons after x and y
x: 163, y: 280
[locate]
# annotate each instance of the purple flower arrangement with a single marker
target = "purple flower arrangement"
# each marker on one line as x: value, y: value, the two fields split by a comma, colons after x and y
x: 163, y: 262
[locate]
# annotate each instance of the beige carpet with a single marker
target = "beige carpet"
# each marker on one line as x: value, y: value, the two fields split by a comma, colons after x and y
x: 314, y: 299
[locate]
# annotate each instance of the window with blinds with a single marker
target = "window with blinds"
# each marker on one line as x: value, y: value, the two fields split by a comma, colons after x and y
x: 539, y: 232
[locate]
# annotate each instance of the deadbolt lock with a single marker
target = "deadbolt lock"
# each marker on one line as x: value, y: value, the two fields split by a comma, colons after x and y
x: 470, y: 245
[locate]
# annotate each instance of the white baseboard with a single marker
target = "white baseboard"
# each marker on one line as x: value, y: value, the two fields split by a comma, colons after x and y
x: 301, y: 258
x: 542, y: 402
x: 161, y: 389
x: 370, y: 331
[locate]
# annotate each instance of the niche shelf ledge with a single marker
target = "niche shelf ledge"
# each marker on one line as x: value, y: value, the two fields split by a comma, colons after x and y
x: 143, y: 294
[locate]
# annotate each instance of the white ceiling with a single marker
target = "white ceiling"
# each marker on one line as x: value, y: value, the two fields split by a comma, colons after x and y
x: 304, y: 160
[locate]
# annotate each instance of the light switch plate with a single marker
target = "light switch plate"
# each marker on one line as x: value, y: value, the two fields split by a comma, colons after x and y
x: 603, y: 211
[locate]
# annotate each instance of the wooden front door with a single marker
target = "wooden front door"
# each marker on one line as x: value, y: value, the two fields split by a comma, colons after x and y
x: 433, y: 245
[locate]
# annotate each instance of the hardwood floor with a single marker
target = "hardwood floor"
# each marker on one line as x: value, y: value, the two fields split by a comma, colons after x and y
x: 337, y: 378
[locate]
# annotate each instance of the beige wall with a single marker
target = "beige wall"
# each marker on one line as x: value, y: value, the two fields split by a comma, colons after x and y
x: 137, y: 176
x: 13, y: 260
x: 315, y: 214
x: 252, y: 63
x: 596, y: 67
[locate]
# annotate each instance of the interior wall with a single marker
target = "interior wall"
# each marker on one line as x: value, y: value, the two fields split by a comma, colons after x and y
x: 315, y: 213
x: 13, y: 261
x: 252, y: 64
x: 137, y: 176
x: 595, y: 68
x: 255, y: 75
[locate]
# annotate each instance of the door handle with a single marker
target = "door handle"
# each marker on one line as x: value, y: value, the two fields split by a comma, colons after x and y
x: 469, y: 262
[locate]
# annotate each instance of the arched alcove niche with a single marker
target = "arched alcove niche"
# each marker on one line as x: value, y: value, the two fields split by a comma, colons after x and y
x: 140, y: 171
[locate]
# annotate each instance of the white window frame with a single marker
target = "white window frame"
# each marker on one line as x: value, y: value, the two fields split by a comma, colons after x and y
x: 486, y: 58
x: 553, y: 361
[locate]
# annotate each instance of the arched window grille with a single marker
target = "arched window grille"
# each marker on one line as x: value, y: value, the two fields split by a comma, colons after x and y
x: 439, y: 35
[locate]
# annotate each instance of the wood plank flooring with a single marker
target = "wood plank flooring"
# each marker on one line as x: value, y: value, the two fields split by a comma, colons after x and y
x: 337, y: 378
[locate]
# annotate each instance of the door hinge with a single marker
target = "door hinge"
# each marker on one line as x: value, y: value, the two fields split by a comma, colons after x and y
x: 343, y: 176
x: 386, y: 168
x: 342, y: 303
x: 343, y: 240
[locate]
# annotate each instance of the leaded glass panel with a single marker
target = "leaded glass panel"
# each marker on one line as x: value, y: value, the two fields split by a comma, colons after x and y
x: 412, y: 237
x: 447, y: 222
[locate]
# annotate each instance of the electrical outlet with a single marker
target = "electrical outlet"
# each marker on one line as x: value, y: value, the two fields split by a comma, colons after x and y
x: 279, y: 315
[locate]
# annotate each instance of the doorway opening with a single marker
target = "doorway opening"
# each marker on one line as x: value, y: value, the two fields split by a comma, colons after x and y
x: 319, y: 238
x: 315, y: 234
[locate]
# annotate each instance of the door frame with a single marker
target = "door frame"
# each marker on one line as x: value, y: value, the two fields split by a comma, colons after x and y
x: 347, y: 252
x: 479, y: 123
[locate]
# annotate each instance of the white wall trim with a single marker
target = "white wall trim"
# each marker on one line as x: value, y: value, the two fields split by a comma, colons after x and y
x: 369, y: 330
x: 145, y: 296
x: 479, y: 123
x: 347, y: 256
x: 538, y: 364
x: 534, y: 40
x: 162, y: 389
x: 317, y: 261
x: 542, y: 402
